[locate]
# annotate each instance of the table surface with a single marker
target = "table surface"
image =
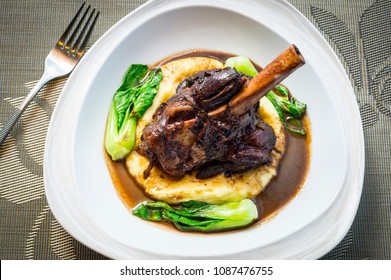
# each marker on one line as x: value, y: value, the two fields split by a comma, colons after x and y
x: 359, y: 31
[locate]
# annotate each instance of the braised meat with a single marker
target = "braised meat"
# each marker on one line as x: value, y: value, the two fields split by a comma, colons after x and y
x: 207, y: 145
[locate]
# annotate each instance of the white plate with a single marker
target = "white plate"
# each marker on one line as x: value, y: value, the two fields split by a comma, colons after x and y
x: 77, y: 183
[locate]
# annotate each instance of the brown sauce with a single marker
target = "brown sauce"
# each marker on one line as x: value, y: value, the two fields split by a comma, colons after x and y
x: 292, y: 170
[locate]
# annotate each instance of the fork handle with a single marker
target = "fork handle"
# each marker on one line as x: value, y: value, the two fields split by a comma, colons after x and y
x: 12, y: 120
x: 10, y: 123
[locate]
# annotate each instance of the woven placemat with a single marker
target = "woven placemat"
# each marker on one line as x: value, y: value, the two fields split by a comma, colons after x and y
x: 359, y: 32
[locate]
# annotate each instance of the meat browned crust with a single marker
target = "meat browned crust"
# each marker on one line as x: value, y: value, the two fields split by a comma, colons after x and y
x: 210, y: 145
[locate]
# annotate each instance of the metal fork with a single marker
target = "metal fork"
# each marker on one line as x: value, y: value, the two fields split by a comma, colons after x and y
x: 61, y: 60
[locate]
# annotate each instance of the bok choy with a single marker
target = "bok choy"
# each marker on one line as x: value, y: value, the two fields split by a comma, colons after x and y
x: 200, y: 216
x: 130, y: 101
x: 242, y: 64
x: 290, y: 110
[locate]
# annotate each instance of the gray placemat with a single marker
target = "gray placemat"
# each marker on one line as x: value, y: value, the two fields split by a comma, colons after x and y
x: 359, y: 31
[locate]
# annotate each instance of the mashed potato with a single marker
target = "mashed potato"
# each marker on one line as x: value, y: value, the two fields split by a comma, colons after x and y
x: 216, y: 190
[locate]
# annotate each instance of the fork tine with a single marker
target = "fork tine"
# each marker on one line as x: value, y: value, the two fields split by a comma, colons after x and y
x: 87, y: 30
x: 63, y: 37
x: 77, y: 28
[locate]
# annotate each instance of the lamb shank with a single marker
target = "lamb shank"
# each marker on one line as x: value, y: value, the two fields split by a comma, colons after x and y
x: 211, y: 125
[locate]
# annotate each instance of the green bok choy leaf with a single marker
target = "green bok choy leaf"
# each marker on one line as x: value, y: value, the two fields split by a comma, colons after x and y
x: 200, y: 216
x: 290, y: 110
x: 130, y: 101
x: 242, y: 64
